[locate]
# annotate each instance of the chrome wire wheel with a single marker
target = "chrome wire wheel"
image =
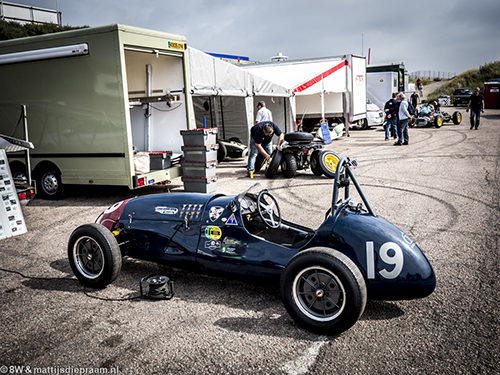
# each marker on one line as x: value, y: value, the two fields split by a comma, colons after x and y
x: 319, y: 294
x: 88, y: 257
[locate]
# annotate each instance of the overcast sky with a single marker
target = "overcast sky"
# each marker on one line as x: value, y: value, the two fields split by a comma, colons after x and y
x: 449, y: 36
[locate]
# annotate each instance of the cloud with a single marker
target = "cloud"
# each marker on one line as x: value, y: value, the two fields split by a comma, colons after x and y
x: 449, y: 36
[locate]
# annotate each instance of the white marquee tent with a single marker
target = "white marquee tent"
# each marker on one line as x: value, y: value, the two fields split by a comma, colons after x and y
x: 225, y: 96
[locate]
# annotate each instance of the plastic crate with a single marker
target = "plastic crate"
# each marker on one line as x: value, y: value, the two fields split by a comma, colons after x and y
x: 160, y: 160
x: 198, y: 168
x: 200, y: 184
x: 200, y: 153
x: 199, y: 137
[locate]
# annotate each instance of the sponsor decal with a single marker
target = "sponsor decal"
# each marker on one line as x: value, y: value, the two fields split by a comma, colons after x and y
x: 215, y: 212
x: 213, y: 232
x: 166, y: 210
x: 231, y: 220
x: 176, y: 45
x: 212, y: 244
x: 190, y: 211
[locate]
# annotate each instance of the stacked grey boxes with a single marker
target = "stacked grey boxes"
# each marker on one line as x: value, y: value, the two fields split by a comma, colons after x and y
x: 200, y: 158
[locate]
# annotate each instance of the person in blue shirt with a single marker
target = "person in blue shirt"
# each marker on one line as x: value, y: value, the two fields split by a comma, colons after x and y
x: 261, y: 136
x: 391, y: 116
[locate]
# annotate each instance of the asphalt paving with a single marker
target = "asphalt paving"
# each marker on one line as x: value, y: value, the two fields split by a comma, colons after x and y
x: 441, y: 189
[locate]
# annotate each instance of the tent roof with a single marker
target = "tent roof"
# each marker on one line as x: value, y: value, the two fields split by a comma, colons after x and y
x: 306, y: 77
x: 213, y: 76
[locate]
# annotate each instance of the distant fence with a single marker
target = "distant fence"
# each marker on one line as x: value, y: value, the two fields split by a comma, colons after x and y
x: 24, y: 14
x: 431, y: 74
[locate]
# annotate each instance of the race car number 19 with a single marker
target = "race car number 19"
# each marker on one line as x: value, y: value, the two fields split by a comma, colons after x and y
x: 394, y: 257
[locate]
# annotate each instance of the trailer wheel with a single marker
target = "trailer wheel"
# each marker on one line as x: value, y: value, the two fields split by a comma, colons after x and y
x: 288, y: 165
x: 18, y: 171
x: 49, y: 184
x: 274, y: 163
x: 457, y: 117
x: 314, y: 163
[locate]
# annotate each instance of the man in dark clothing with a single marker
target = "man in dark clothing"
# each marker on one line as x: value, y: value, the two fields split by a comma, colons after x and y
x: 476, y: 105
x: 390, y: 110
x: 414, y: 99
x: 261, y: 136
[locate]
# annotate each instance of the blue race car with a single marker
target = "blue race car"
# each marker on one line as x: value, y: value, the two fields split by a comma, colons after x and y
x: 326, y: 274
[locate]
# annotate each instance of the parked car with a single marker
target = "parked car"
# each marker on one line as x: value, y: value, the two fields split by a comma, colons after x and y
x: 374, y: 114
x: 461, y: 96
x: 326, y: 274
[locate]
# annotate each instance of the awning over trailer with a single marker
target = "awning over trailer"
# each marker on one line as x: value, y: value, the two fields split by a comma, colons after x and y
x: 212, y: 76
x: 306, y: 77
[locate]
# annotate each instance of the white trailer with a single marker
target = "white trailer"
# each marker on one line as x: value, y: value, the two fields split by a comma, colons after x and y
x: 380, y: 86
x: 332, y: 88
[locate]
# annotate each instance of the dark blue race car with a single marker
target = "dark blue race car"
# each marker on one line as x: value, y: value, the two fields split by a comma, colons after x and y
x: 326, y: 274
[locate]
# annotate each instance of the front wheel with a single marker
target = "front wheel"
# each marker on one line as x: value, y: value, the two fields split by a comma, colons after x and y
x: 94, y: 255
x: 323, y: 291
x: 457, y: 118
x: 438, y: 121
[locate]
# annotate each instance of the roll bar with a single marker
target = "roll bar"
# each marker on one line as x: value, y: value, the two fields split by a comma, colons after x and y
x: 343, y: 176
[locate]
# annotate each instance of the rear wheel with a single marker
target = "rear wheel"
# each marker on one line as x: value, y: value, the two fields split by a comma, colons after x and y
x: 288, y: 165
x: 274, y: 163
x: 323, y: 291
x: 457, y: 117
x: 314, y: 163
x: 94, y: 255
x: 328, y: 161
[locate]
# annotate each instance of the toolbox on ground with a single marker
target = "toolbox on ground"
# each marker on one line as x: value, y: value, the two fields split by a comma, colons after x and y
x: 199, y: 137
x: 160, y: 160
x: 200, y: 184
x: 198, y: 168
x: 200, y: 153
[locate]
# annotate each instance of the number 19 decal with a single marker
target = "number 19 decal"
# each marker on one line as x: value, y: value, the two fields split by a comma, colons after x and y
x: 396, y: 259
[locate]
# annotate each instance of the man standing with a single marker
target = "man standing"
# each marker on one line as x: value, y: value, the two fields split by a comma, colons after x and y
x: 414, y: 99
x: 261, y: 136
x: 391, y: 116
x: 263, y: 114
x: 476, y: 105
x: 403, y: 120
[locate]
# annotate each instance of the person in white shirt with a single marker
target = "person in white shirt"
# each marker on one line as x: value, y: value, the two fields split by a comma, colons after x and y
x: 263, y: 114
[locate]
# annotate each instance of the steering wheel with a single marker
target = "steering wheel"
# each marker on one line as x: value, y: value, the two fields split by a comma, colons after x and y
x: 269, y: 211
